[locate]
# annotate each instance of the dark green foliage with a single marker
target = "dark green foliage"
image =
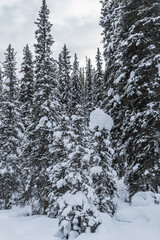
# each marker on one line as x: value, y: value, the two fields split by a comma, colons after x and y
x: 88, y: 89
x: 101, y: 170
x: 36, y: 154
x: 27, y: 86
x: 64, y: 78
x: 76, y: 90
x: 98, y: 93
x: 142, y: 94
x: 10, y: 133
x: 131, y: 39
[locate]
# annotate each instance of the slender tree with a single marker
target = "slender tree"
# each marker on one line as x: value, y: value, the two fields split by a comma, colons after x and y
x: 101, y: 169
x: 98, y: 81
x: 88, y: 88
x: 1, y: 82
x: 64, y: 78
x: 10, y: 133
x: 36, y: 152
x: 27, y: 86
x: 76, y: 86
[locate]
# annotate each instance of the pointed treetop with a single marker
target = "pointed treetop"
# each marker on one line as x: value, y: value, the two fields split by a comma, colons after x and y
x: 99, y: 61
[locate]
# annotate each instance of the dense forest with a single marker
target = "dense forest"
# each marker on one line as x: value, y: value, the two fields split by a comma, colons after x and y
x: 48, y: 149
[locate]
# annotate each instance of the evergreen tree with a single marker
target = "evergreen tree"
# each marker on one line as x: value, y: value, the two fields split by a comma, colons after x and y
x: 27, y: 86
x: 74, y: 198
x: 36, y: 152
x: 132, y: 96
x: 101, y: 170
x: 88, y: 88
x: 64, y: 79
x: 82, y: 76
x: 76, y: 86
x: 141, y: 58
x: 0, y: 80
x: 111, y: 21
x: 10, y: 133
x: 56, y: 170
x: 98, y: 81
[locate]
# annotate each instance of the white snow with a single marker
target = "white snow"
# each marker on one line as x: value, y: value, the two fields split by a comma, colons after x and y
x: 158, y: 65
x: 44, y: 122
x: 61, y: 183
x: 145, y: 199
x: 117, y: 97
x: 110, y: 91
x: 131, y: 78
x: 98, y: 118
x: 128, y: 214
x: 14, y: 225
x: 96, y: 170
x: 118, y: 79
x: 74, y: 199
x: 57, y: 134
x: 139, y: 220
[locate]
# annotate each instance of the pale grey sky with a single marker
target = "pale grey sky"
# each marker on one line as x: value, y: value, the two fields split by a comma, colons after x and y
x: 75, y: 23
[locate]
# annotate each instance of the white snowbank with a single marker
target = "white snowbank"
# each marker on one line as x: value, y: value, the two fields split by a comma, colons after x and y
x: 128, y: 214
x: 14, y: 225
x: 136, y: 221
x: 98, y: 118
x: 145, y: 199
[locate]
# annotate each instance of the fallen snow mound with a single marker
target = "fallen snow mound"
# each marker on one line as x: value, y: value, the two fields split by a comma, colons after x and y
x: 98, y: 118
x: 145, y: 199
x: 128, y: 214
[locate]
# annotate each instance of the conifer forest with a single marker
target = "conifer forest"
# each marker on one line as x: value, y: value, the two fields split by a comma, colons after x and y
x: 71, y: 136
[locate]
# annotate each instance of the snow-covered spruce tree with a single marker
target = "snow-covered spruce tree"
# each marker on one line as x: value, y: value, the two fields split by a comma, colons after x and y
x: 133, y: 84
x: 36, y: 154
x: 82, y: 75
x: 27, y: 86
x: 98, y: 82
x: 1, y: 82
x: 64, y: 78
x: 141, y: 92
x: 76, y: 87
x: 10, y: 133
x: 101, y: 160
x: 0, y: 86
x: 111, y: 21
x: 56, y: 170
x: 74, y: 197
x: 88, y: 89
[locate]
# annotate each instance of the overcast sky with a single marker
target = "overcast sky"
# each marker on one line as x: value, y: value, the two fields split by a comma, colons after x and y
x: 75, y: 23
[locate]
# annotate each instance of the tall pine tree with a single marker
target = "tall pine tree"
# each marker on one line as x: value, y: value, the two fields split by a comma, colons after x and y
x: 101, y: 168
x: 36, y: 152
x: 76, y: 89
x: 64, y: 79
x: 132, y: 86
x: 88, y: 89
x: 98, y: 82
x: 27, y: 86
x: 10, y: 133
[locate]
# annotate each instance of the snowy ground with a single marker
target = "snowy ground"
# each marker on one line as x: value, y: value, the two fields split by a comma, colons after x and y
x: 140, y: 221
